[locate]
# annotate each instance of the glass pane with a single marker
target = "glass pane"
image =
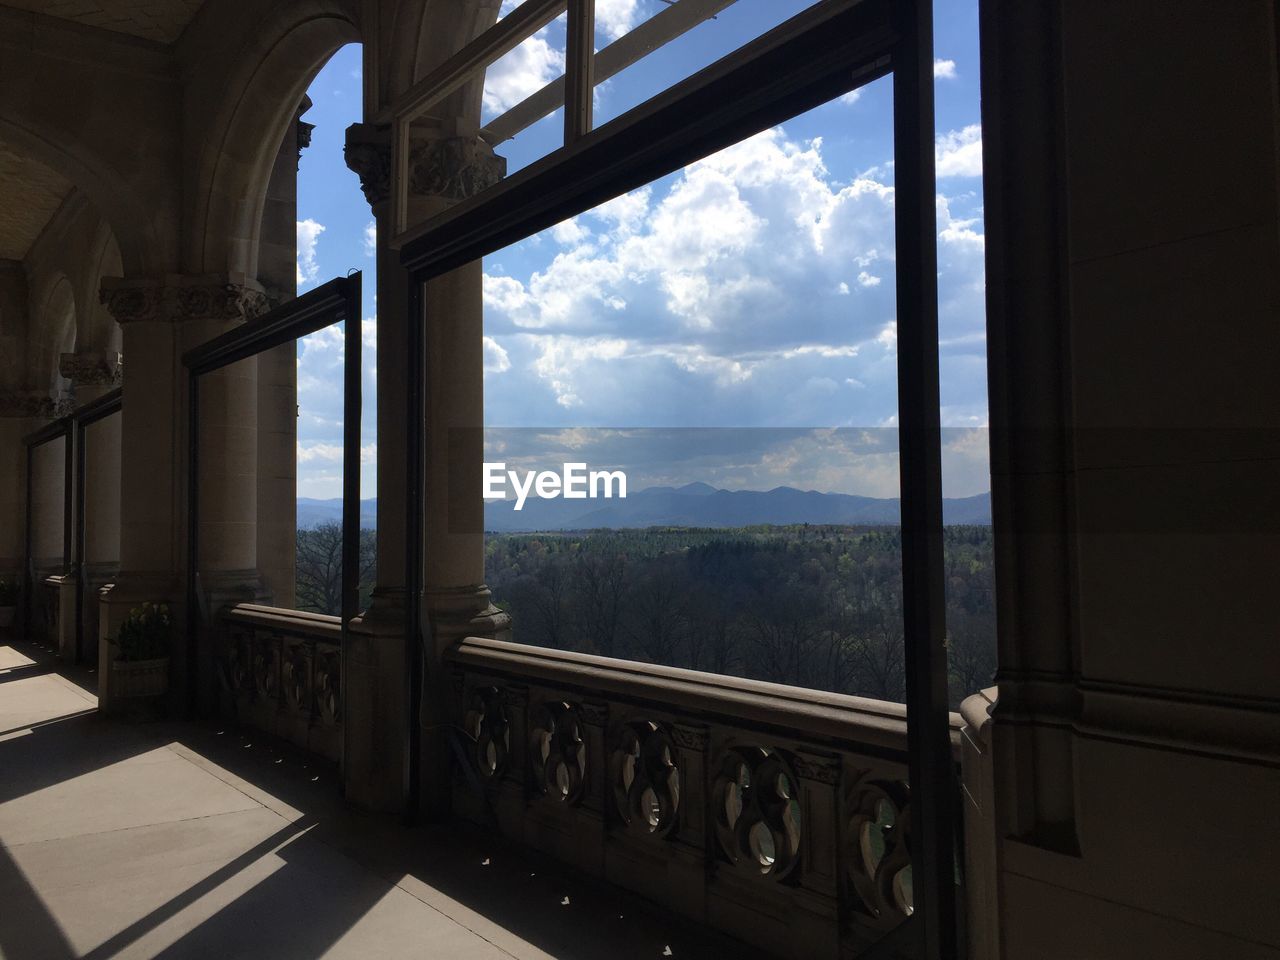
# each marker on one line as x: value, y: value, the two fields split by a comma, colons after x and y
x: 724, y: 339
x: 736, y: 25
x: 520, y: 74
x: 966, y: 472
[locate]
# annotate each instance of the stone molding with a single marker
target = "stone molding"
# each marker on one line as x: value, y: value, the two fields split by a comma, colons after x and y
x: 92, y: 369
x: 453, y: 168
x: 33, y: 405
x: 174, y: 299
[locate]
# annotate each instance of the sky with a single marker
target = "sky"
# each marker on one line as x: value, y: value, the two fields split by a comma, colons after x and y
x: 754, y: 289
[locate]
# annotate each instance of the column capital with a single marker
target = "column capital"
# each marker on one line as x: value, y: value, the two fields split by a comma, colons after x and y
x: 92, y: 368
x: 33, y: 405
x: 304, y: 128
x: 441, y: 164
x: 175, y: 298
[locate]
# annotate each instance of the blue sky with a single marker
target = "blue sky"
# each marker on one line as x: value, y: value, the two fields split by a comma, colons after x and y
x: 753, y: 289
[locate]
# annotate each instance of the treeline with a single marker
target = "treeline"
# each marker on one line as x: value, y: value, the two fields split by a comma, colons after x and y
x: 813, y: 606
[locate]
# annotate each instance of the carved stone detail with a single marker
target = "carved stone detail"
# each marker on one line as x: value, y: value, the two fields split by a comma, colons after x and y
x: 809, y: 766
x: 757, y: 812
x: 371, y: 162
x: 689, y: 738
x: 878, y: 851
x: 34, y: 405
x: 488, y: 732
x: 92, y: 369
x: 646, y: 778
x: 304, y: 128
x: 595, y: 714
x: 175, y: 299
x: 454, y: 168
x: 558, y: 752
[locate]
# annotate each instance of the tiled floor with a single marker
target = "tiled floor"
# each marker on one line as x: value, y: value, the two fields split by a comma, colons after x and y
x: 180, y: 840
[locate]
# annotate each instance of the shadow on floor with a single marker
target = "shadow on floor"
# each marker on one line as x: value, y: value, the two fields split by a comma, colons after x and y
x: 491, y: 890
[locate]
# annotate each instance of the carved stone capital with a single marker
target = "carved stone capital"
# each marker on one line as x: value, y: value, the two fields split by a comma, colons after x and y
x: 174, y: 299
x: 451, y: 167
x: 33, y: 405
x: 454, y: 168
x: 92, y: 369
x: 304, y: 128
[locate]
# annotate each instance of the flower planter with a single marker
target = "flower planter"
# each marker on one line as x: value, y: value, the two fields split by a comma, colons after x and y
x: 7, y: 615
x: 139, y: 678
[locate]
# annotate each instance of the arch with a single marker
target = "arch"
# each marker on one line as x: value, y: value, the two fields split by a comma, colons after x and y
x: 54, y: 334
x: 423, y: 34
x: 140, y: 246
x: 285, y: 52
x: 96, y: 329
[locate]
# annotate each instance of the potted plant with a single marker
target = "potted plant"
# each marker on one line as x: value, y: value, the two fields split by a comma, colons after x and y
x: 8, y: 602
x: 141, y: 664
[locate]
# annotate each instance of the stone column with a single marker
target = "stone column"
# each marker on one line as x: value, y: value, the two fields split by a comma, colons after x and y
x: 23, y: 412
x: 92, y: 375
x: 447, y: 163
x: 161, y: 318
x: 278, y: 374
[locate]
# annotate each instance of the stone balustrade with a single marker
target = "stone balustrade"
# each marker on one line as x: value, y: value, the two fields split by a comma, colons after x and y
x: 776, y: 814
x: 279, y: 671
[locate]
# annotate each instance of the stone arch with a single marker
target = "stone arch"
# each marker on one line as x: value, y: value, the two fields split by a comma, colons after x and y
x: 422, y: 34
x: 54, y: 334
x: 140, y: 246
x: 97, y: 330
x: 284, y: 53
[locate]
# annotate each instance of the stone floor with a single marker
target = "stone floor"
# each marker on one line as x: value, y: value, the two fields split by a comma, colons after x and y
x: 180, y: 840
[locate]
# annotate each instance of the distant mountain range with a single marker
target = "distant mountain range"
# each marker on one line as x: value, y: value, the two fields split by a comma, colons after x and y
x: 693, y: 505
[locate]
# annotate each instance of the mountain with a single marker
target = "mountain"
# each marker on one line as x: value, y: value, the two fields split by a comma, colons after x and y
x: 693, y: 505
x: 312, y: 513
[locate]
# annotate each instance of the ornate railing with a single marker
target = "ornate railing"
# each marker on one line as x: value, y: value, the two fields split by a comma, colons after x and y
x: 280, y: 672
x: 776, y: 814
x: 46, y: 625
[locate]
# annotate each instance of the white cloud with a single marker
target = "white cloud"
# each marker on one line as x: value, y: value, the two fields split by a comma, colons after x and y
x: 944, y: 69
x: 867, y: 280
x: 320, y: 452
x: 852, y: 97
x: 308, y: 233
x: 522, y: 72
x: 370, y: 238
x: 614, y: 18
x: 958, y: 153
x: 496, y: 359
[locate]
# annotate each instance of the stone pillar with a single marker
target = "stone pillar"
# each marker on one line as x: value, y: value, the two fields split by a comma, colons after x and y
x: 161, y: 318
x: 447, y: 164
x: 278, y: 375
x: 23, y: 412
x: 92, y: 375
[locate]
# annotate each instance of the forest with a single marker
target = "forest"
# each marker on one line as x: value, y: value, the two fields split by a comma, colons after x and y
x: 809, y: 605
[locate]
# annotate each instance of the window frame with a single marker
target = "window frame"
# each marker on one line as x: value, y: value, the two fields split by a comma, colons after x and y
x: 829, y: 49
x: 333, y: 302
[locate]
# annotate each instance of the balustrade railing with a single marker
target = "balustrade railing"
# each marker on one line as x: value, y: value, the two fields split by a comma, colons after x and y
x: 779, y: 815
x: 279, y: 671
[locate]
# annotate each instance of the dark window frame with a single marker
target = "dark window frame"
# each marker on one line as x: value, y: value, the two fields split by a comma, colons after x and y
x: 333, y: 302
x: 826, y: 51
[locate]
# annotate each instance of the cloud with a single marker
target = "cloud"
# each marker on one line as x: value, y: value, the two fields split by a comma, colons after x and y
x: 944, y: 69
x: 332, y: 452
x: 958, y: 153
x: 614, y: 18
x: 852, y: 97
x: 496, y: 359
x: 370, y: 238
x: 308, y: 233
x: 522, y: 72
